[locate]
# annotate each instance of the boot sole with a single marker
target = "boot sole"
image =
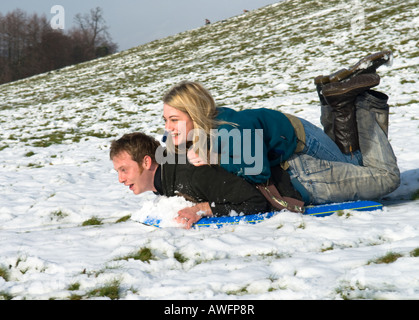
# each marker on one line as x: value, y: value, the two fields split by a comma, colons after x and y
x: 342, y: 88
x: 367, y: 64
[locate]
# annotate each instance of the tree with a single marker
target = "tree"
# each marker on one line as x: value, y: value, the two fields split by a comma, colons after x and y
x: 94, y: 35
x: 13, y: 41
x: 29, y: 45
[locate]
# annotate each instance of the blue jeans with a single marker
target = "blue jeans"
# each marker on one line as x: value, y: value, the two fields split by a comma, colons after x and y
x: 326, y: 181
x: 320, y: 146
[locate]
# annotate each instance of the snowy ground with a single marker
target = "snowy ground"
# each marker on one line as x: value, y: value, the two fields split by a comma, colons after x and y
x: 48, y: 191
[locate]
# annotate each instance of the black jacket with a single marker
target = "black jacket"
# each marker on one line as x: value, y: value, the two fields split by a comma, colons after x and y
x: 224, y: 191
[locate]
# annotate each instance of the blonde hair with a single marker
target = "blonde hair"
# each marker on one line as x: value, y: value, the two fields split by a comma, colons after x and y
x: 196, y: 101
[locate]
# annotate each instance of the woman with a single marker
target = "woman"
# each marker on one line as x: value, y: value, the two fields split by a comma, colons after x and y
x: 248, y: 142
x: 357, y: 164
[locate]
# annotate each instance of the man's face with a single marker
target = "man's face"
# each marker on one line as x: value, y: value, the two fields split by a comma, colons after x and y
x: 138, y: 178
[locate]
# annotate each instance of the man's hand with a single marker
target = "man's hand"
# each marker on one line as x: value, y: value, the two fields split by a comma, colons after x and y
x: 190, y: 215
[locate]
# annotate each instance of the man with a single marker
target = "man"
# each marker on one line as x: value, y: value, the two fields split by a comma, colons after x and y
x: 215, y: 191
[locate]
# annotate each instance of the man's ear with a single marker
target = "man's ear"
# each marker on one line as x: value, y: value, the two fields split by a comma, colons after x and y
x: 147, y: 162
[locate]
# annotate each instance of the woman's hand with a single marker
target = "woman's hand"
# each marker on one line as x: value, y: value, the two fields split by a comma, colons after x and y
x: 190, y: 215
x: 194, y: 158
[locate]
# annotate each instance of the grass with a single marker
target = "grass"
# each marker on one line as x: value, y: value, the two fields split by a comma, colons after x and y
x: 179, y: 257
x: 110, y: 290
x: 93, y: 221
x: 389, y: 257
x: 5, y: 296
x: 123, y: 219
x: 144, y: 255
x: 239, y: 292
x: 4, y: 273
x: 58, y: 215
x: 414, y: 252
x: 74, y: 286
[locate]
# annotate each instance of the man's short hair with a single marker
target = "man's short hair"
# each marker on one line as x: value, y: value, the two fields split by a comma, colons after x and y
x: 136, y: 144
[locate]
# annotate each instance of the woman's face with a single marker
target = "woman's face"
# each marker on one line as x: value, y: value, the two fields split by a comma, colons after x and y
x: 177, y: 123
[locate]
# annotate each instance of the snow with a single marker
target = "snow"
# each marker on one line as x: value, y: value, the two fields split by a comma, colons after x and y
x: 49, y: 189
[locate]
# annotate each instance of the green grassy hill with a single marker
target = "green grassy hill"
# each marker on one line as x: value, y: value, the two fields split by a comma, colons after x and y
x: 267, y: 57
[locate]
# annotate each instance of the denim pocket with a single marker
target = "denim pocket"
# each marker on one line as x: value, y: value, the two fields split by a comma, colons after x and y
x: 311, y: 166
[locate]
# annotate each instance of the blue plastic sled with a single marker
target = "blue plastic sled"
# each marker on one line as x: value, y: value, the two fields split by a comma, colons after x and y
x: 317, y: 211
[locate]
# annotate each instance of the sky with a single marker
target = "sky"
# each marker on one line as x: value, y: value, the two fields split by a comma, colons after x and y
x: 135, y: 22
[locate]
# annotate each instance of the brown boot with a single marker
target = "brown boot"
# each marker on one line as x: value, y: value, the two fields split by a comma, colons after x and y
x: 341, y: 97
x: 326, y: 115
x: 368, y: 64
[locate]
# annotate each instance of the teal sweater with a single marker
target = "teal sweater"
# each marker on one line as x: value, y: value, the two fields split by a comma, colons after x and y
x: 260, y: 139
